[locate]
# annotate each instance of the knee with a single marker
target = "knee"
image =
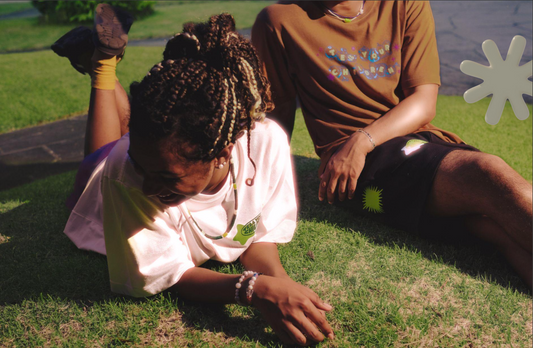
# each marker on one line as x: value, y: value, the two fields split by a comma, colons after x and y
x: 495, y: 172
x: 486, y: 166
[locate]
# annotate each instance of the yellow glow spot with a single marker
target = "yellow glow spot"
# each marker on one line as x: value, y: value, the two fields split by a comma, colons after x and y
x: 372, y: 200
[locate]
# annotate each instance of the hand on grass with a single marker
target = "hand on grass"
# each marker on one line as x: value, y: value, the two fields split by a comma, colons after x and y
x: 294, y: 311
x: 343, y: 169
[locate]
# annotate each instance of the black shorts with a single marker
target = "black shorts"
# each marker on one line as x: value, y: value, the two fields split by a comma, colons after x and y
x: 397, y: 178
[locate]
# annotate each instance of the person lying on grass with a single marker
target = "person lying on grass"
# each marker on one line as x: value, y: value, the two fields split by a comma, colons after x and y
x: 366, y: 74
x: 200, y: 175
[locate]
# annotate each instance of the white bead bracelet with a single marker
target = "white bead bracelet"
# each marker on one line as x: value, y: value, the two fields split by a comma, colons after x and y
x: 249, y: 290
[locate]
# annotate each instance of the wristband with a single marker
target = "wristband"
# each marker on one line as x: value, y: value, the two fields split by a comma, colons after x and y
x: 369, y: 137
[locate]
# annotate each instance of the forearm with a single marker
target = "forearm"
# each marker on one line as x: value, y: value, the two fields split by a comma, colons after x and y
x: 263, y: 258
x: 415, y: 111
x: 204, y: 285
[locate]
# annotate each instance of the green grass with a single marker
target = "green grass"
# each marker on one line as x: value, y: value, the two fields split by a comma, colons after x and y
x: 40, y: 87
x: 510, y: 139
x: 388, y: 289
x: 12, y: 7
x: 29, y: 33
x: 169, y: 19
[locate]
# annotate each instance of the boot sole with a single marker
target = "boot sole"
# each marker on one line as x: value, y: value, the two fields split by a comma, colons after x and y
x: 111, y: 27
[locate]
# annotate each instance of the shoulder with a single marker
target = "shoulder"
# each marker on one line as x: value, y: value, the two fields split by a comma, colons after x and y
x: 269, y: 131
x: 118, y: 166
x: 417, y: 8
x: 278, y: 14
x: 117, y: 158
x: 268, y: 141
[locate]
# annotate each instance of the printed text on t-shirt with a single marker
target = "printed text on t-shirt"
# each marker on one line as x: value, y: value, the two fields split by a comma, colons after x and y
x: 368, y: 62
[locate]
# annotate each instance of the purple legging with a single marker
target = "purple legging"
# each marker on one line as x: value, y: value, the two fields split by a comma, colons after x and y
x: 85, y: 170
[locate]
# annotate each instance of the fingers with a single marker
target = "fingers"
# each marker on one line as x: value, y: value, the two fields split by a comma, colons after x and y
x: 328, y: 184
x: 352, y: 185
x: 318, y: 315
x: 283, y: 334
x: 318, y: 320
x: 324, y: 180
x: 330, y: 191
x: 341, y: 187
x: 302, y: 334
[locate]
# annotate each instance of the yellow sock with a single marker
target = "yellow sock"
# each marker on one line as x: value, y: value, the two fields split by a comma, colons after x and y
x: 104, y: 71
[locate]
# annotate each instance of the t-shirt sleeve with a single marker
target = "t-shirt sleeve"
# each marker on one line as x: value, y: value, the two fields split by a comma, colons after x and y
x: 420, y: 58
x: 145, y: 255
x: 278, y: 216
x: 271, y: 51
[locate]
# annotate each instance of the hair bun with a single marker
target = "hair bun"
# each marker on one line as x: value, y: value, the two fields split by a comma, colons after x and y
x: 182, y: 45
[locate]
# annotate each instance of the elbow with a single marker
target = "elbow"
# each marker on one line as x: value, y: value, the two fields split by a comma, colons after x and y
x: 431, y: 112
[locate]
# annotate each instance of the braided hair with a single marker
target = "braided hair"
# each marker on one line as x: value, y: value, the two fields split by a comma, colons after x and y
x: 208, y: 90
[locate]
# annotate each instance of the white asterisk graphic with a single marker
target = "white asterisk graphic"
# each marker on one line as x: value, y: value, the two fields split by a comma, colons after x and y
x: 504, y: 79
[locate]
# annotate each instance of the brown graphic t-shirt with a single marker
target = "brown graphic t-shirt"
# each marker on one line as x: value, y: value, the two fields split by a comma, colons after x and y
x: 346, y: 75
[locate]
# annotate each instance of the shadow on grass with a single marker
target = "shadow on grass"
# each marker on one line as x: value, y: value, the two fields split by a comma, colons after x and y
x: 16, y: 175
x: 474, y: 258
x: 35, y: 256
x: 217, y: 318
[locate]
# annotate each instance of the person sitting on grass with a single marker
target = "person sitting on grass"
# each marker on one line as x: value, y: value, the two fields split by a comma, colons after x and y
x: 200, y: 176
x: 366, y: 74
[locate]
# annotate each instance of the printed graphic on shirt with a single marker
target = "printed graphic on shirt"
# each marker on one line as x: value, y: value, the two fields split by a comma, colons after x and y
x: 413, y: 145
x: 245, y: 232
x: 372, y: 200
x: 370, y: 62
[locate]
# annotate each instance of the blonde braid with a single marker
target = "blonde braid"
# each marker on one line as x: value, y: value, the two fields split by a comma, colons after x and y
x: 234, y: 114
x: 249, y: 73
x: 223, y: 117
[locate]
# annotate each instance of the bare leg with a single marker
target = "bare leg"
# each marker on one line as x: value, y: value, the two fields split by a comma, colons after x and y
x: 123, y: 108
x: 483, y: 185
x: 486, y: 229
x: 108, y: 117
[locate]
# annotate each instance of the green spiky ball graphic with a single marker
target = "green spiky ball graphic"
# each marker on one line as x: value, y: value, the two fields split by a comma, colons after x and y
x: 372, y: 199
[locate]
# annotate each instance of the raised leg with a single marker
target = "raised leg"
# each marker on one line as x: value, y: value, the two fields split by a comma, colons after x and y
x: 108, y: 117
x: 97, y: 53
x: 496, y: 197
x: 123, y: 108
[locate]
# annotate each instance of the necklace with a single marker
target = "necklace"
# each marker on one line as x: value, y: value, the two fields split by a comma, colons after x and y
x: 234, y: 217
x: 346, y: 19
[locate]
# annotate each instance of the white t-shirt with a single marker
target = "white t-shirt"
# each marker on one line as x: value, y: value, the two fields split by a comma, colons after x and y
x: 150, y: 245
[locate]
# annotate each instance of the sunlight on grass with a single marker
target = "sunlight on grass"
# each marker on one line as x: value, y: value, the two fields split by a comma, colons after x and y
x: 39, y: 87
x: 10, y: 205
x: 30, y: 33
x: 6, y: 207
x: 510, y: 139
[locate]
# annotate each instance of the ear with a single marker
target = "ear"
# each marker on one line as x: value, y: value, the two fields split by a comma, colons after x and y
x: 224, y: 156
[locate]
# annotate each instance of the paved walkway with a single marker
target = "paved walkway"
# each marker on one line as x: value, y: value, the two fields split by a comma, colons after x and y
x: 35, y: 153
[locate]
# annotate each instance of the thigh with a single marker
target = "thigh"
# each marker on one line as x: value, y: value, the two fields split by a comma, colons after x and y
x: 471, y: 183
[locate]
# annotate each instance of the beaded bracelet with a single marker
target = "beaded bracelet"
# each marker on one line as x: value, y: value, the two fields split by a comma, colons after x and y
x: 249, y: 290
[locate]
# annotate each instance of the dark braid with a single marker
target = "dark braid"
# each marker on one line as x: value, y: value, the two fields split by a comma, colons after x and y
x: 208, y: 90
